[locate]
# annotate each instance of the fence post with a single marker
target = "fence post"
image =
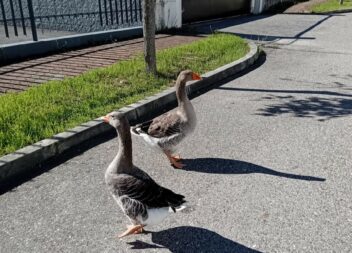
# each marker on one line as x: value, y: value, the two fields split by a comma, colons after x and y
x: 32, y: 19
x: 4, y: 18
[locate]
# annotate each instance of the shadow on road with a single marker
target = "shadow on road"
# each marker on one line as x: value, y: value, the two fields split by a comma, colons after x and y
x: 218, y: 85
x: 216, y: 25
x: 228, y: 166
x: 37, y: 170
x: 191, y: 239
x: 313, y: 107
x: 314, y: 92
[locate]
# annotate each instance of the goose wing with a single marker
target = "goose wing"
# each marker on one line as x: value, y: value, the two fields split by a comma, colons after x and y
x: 166, y: 125
x: 147, y: 192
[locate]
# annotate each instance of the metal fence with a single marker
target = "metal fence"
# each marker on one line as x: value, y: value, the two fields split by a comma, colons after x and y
x: 28, y: 17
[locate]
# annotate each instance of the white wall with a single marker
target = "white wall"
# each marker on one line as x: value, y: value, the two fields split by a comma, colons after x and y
x: 168, y: 14
x: 257, y: 6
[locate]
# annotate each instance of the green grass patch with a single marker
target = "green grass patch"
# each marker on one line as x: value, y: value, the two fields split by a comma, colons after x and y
x: 332, y: 5
x: 53, y: 107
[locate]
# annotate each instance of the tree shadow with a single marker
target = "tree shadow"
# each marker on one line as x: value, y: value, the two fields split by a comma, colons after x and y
x: 228, y: 166
x: 313, y: 107
x: 335, y: 84
x: 311, y: 92
x: 192, y: 239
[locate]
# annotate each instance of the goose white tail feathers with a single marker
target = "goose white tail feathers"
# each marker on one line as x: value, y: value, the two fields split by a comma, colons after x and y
x: 178, y: 209
x: 136, y: 130
x: 141, y: 128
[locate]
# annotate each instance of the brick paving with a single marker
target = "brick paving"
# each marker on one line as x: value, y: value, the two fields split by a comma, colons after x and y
x: 19, y: 76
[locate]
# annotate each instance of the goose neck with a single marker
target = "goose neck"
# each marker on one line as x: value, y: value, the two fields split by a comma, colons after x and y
x: 181, y: 92
x: 122, y: 162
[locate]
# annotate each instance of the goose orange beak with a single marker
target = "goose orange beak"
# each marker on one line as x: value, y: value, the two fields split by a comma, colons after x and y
x: 196, y: 76
x: 106, y: 119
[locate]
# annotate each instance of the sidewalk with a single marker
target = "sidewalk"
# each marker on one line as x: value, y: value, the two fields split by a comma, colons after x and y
x: 19, y: 76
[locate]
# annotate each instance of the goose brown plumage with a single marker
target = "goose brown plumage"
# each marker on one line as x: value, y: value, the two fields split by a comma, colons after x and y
x: 169, y: 129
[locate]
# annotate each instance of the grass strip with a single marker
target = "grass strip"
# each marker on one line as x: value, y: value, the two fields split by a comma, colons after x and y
x: 53, y: 107
x: 332, y: 5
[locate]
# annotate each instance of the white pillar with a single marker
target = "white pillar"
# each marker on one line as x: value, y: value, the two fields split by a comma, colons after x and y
x: 168, y: 14
x: 257, y: 6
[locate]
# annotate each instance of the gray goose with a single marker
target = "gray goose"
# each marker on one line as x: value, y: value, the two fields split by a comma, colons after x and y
x: 169, y: 129
x: 141, y: 199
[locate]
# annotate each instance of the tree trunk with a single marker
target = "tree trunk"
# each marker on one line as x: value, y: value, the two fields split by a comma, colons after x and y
x: 148, y: 8
x: 341, y: 2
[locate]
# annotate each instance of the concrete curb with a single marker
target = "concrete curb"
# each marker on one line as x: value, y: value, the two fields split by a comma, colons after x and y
x: 337, y: 12
x: 320, y: 13
x: 26, y: 159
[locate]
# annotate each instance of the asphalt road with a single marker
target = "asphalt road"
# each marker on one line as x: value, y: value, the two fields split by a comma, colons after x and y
x: 268, y: 168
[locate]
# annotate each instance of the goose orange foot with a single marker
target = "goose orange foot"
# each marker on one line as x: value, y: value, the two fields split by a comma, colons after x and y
x: 177, y: 158
x: 132, y: 229
x: 177, y: 165
x: 174, y: 160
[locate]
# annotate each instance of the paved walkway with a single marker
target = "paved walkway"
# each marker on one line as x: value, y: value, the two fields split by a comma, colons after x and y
x: 20, y: 76
x: 268, y: 167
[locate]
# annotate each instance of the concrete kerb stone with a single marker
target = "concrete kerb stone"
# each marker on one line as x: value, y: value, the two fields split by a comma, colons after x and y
x: 337, y: 12
x: 333, y: 13
x: 28, y: 158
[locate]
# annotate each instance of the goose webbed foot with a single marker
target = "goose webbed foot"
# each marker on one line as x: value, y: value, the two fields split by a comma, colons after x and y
x: 132, y: 229
x: 177, y: 158
x: 174, y: 160
x: 177, y: 165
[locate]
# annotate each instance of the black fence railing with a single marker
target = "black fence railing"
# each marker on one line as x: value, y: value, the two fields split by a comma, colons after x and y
x: 17, y: 17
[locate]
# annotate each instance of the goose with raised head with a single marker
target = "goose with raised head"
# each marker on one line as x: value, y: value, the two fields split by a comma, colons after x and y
x: 141, y: 199
x: 169, y: 129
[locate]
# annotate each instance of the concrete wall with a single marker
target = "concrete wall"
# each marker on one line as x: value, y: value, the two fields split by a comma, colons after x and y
x: 24, y: 50
x: 194, y: 10
x: 168, y: 14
